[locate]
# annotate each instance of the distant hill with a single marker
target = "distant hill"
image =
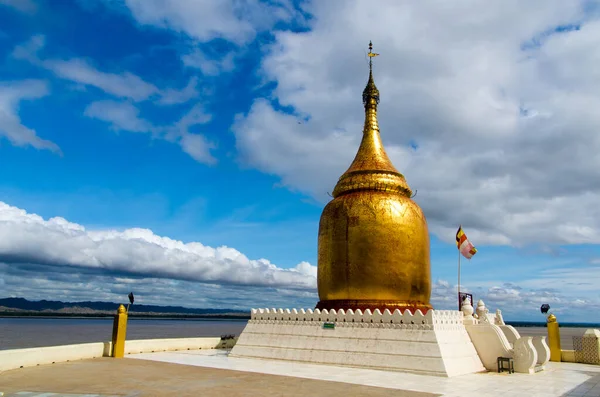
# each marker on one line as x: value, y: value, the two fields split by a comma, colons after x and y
x: 21, y: 306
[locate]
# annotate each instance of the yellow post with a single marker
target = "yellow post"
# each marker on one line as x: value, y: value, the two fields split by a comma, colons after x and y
x: 119, y: 331
x: 554, y: 338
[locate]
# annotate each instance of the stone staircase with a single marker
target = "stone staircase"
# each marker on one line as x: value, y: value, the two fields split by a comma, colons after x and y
x: 492, y: 338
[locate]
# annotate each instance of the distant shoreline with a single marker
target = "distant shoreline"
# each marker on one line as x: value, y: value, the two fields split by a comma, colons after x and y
x: 526, y: 324
x: 10, y: 307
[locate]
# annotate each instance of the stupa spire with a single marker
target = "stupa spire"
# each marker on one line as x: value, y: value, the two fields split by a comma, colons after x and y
x: 371, y: 91
x: 371, y: 168
x: 373, y: 238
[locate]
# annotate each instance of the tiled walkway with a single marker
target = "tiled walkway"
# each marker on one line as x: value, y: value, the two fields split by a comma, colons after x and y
x: 559, y: 379
x: 38, y: 394
x: 109, y: 377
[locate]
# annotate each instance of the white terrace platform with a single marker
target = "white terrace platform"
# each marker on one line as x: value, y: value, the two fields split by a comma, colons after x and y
x: 436, y: 343
x: 559, y: 379
x: 441, y: 342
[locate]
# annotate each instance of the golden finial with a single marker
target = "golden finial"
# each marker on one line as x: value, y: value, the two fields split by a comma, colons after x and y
x: 371, y: 55
x: 371, y: 91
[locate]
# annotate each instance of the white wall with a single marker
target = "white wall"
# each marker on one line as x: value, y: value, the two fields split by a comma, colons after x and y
x: 19, y: 358
x: 435, y: 343
x: 159, y: 345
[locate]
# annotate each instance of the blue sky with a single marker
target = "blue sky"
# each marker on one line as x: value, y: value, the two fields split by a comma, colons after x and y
x: 147, y: 181
x: 158, y: 123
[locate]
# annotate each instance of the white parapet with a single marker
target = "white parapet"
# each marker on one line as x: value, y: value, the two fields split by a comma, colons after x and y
x: 171, y: 344
x: 435, y: 343
x: 20, y: 358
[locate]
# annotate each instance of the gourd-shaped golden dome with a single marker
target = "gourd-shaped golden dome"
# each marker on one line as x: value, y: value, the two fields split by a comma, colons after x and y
x: 373, y: 238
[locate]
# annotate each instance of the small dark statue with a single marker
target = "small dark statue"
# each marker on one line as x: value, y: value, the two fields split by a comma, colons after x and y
x: 131, y: 299
x: 544, y: 309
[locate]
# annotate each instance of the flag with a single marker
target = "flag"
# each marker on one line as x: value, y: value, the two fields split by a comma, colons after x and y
x: 466, y: 248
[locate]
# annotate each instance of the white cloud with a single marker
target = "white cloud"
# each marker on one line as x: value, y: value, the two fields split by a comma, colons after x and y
x: 120, y: 115
x: 121, y: 85
x: 521, y: 302
x: 236, y: 22
x: 71, y: 286
x: 232, y: 20
x: 29, y: 239
x: 584, y: 280
x: 195, y: 145
x: 307, y: 269
x: 41, y: 258
x: 196, y: 115
x: 506, y: 137
x: 209, y: 66
x: 12, y: 93
x: 27, y: 6
x: 171, y: 96
x: 28, y: 50
x: 198, y: 148
x: 124, y: 116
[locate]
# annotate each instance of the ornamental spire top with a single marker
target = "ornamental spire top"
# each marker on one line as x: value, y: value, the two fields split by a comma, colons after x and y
x: 371, y: 168
x: 371, y: 91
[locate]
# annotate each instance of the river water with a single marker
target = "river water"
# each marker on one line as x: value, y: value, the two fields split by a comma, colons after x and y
x: 16, y: 333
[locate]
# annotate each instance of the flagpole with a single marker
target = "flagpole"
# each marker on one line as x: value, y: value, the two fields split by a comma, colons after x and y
x: 459, y: 302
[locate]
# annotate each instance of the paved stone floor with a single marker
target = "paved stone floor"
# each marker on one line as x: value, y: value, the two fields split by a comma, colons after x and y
x: 38, y: 394
x: 106, y: 377
x: 560, y: 379
x: 214, y: 373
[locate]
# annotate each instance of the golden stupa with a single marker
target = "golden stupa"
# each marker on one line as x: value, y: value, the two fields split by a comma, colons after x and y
x: 373, y: 239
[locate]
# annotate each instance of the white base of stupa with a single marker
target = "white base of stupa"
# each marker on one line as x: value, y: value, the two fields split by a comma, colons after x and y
x: 436, y: 343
